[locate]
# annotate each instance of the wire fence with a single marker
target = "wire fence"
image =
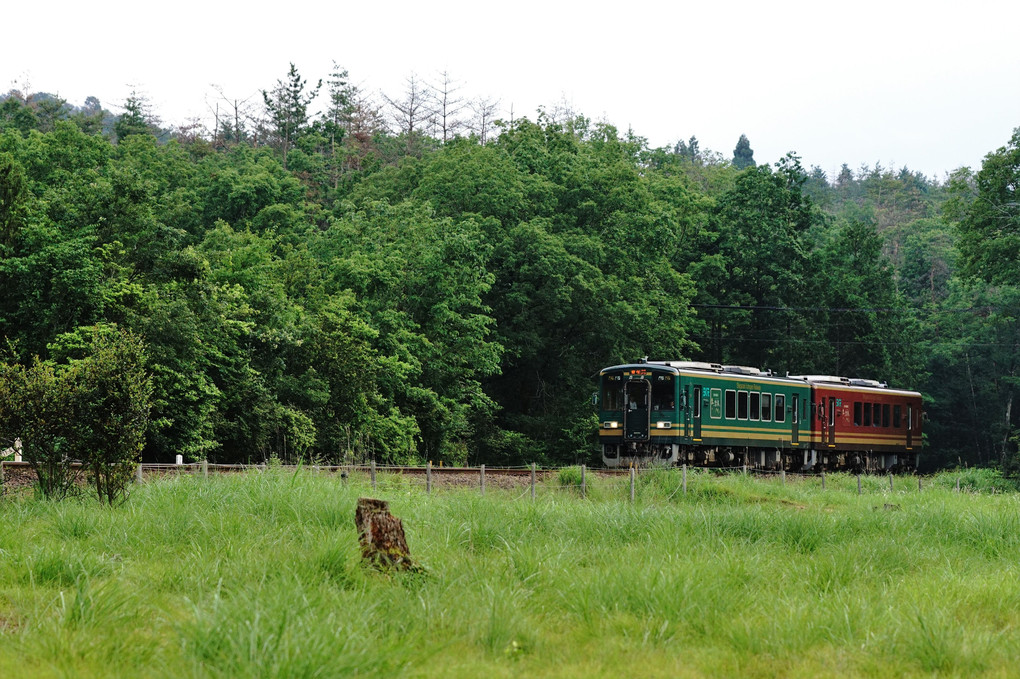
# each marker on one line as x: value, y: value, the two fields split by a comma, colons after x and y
x: 530, y: 481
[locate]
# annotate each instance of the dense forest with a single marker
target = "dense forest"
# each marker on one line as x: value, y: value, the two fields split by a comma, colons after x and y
x: 419, y: 280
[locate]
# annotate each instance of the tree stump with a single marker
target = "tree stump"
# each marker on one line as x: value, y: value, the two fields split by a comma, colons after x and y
x: 382, y: 536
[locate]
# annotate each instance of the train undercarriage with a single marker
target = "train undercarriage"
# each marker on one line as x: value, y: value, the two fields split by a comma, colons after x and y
x: 808, y: 460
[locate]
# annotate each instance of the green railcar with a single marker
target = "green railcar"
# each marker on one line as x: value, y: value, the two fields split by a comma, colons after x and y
x: 674, y: 412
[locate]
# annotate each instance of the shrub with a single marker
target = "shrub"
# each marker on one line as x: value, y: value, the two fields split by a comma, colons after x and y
x: 111, y: 412
x: 95, y: 409
x: 34, y: 406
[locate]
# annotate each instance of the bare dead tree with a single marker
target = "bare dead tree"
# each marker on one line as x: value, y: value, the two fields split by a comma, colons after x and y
x: 447, y: 107
x: 237, y: 116
x: 191, y: 131
x: 412, y: 113
x: 562, y: 112
x: 364, y: 123
x: 485, y: 110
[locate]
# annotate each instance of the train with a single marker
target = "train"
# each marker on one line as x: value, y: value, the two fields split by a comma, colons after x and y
x: 714, y: 415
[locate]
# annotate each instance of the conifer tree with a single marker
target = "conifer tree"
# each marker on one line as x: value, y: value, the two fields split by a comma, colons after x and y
x: 287, y: 105
x: 743, y: 155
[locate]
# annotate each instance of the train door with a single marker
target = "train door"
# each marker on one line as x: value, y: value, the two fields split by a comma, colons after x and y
x: 832, y: 421
x: 696, y: 412
x: 635, y: 417
x: 910, y: 426
x: 819, y: 417
x: 795, y: 421
x: 685, y: 410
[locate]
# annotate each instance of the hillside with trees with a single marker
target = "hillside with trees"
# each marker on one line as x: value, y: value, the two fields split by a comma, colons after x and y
x: 321, y: 276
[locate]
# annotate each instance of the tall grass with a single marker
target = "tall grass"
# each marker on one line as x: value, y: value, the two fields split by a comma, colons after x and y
x: 259, y: 575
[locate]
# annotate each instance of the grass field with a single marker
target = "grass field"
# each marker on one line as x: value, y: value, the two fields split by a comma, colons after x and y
x: 258, y: 575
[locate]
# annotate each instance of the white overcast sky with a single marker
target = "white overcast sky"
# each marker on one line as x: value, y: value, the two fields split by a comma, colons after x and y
x: 932, y: 85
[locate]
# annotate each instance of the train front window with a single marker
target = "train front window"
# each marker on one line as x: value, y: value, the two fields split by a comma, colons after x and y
x: 662, y: 393
x: 612, y: 393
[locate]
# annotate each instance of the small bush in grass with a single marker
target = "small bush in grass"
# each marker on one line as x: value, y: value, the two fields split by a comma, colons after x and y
x: 95, y: 408
x: 976, y: 480
x: 569, y: 477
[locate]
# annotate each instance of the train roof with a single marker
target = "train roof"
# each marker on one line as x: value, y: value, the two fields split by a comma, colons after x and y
x: 826, y: 381
x: 852, y: 383
x: 676, y: 367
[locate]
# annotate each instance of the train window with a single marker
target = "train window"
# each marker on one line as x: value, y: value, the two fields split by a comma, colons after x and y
x: 780, y: 408
x: 896, y: 413
x: 662, y: 393
x: 766, y: 407
x: 795, y: 416
x: 741, y: 405
x: 755, y: 405
x: 867, y: 415
x: 731, y: 404
x: 612, y: 396
x: 832, y: 412
x: 910, y: 417
x: 885, y: 414
x: 857, y: 413
x: 697, y: 403
x: 876, y: 417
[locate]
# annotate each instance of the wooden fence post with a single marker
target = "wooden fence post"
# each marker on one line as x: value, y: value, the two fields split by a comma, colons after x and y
x: 957, y: 484
x: 782, y: 475
x: 919, y: 482
x: 428, y: 477
x: 205, y: 469
x: 138, y: 474
x: 823, y: 480
x: 890, y: 482
x: 632, y: 484
x: 532, y: 480
x: 685, y: 479
x: 373, y: 474
x: 481, y: 472
x: 584, y: 489
x: 858, y: 484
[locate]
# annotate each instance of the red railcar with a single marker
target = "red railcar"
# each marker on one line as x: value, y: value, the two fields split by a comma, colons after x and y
x: 862, y: 424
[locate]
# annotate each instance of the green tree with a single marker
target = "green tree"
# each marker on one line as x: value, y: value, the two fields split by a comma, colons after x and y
x: 338, y: 118
x: 14, y: 196
x: 109, y: 412
x: 990, y: 253
x: 868, y: 331
x: 743, y: 155
x: 990, y: 229
x: 136, y: 118
x: 35, y: 406
x: 761, y: 261
x: 16, y: 114
x: 287, y: 106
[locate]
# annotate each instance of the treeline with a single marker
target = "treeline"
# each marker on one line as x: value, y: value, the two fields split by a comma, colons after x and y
x: 330, y: 287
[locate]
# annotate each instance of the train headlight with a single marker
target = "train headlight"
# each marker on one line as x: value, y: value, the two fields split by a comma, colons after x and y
x: 611, y: 425
x: 663, y: 425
